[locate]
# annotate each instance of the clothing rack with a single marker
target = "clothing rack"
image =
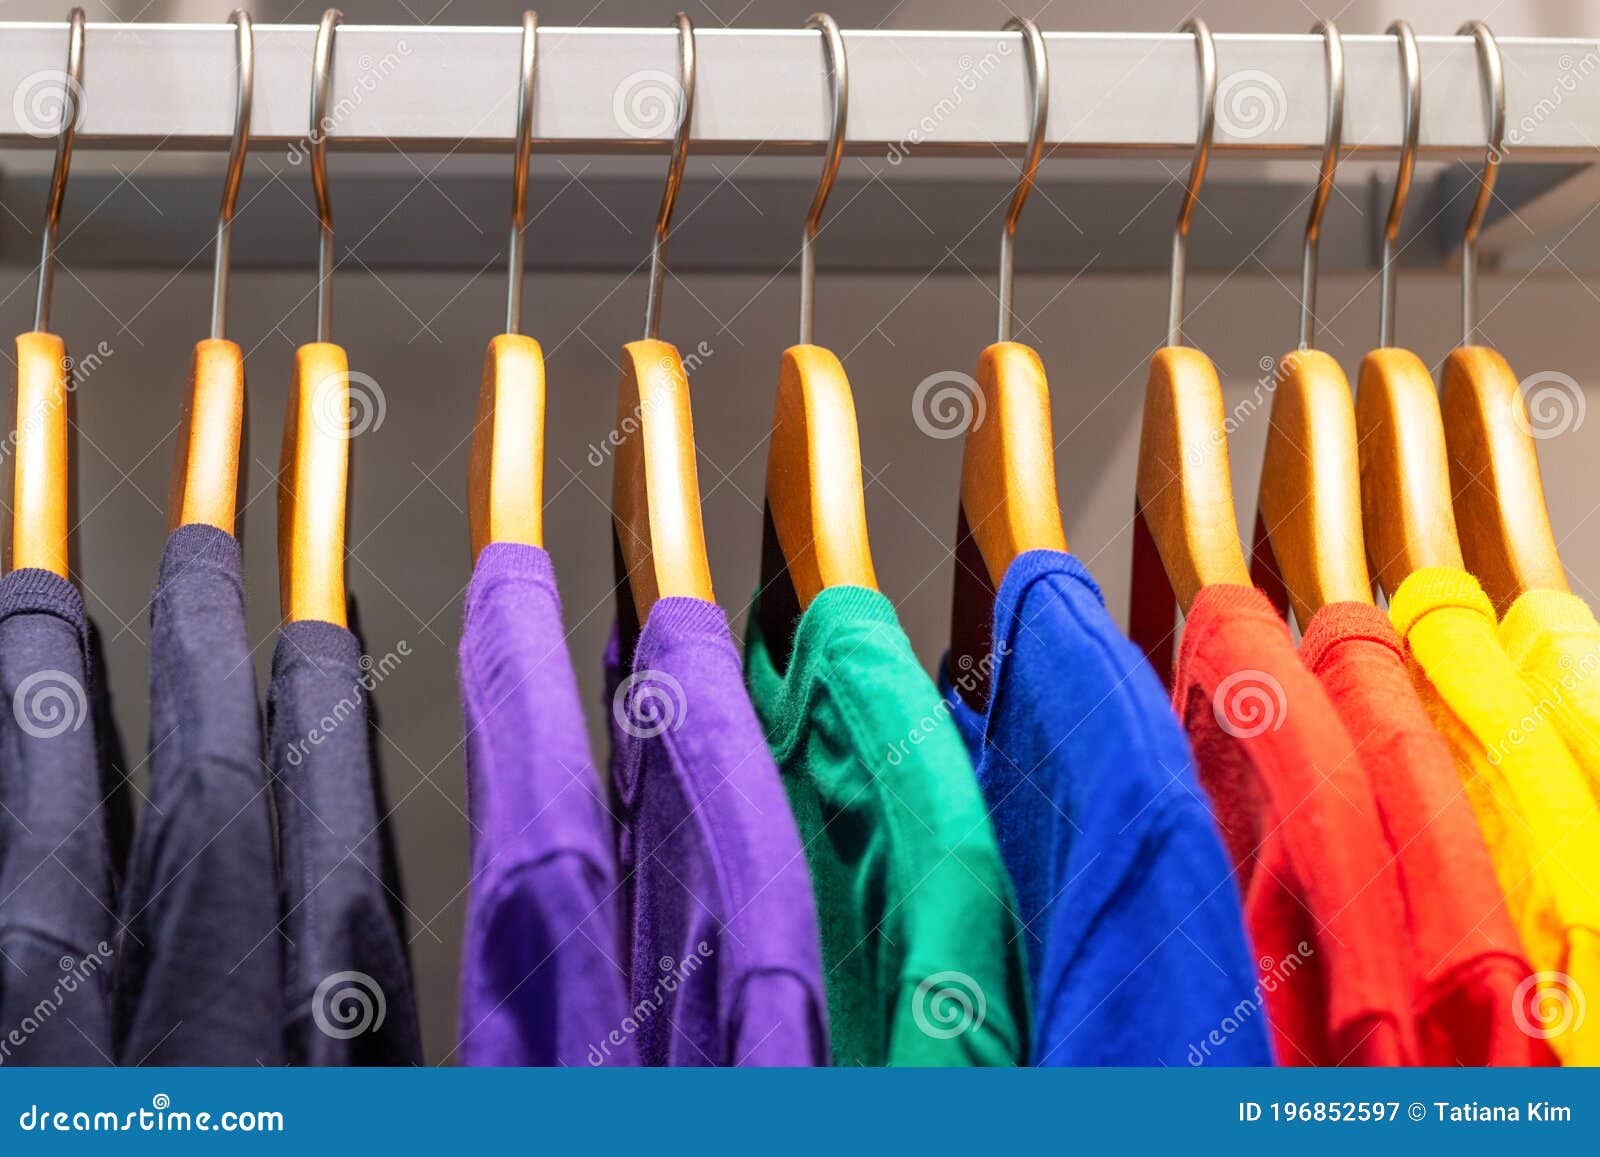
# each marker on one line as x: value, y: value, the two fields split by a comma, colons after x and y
x: 422, y: 89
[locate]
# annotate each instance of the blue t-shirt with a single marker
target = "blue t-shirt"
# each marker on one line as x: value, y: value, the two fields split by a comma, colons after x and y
x: 1135, y: 941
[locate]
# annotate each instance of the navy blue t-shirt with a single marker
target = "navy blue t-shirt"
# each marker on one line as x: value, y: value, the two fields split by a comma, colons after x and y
x: 347, y: 974
x: 63, y: 828
x: 1135, y: 941
x: 199, y: 968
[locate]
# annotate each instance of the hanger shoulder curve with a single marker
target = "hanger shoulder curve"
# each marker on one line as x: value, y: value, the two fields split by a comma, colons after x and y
x: 41, y: 498
x: 655, y: 493
x: 505, y: 470
x: 1008, y: 466
x: 205, y: 469
x: 1310, y: 497
x: 1506, y: 537
x: 313, y: 481
x: 814, y: 491
x: 1406, y: 513
x: 1184, y: 491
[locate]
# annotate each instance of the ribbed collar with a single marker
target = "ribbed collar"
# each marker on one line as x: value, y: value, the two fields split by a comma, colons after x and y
x: 1435, y: 588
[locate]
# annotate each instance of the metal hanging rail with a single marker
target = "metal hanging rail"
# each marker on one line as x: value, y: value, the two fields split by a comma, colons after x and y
x: 425, y: 88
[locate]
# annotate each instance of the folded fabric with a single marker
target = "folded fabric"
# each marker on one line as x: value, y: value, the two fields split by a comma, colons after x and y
x: 922, y: 947
x: 199, y: 969
x: 63, y: 823
x: 1537, y: 815
x: 723, y: 959
x: 1136, y: 943
x: 1469, y: 958
x: 543, y: 974
x: 1554, y: 640
x: 347, y: 975
x: 1322, y: 897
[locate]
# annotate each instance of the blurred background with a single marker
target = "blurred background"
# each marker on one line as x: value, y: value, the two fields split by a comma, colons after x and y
x: 420, y: 290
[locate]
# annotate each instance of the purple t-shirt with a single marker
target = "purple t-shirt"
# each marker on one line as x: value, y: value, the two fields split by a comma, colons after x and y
x: 543, y: 976
x: 725, y: 964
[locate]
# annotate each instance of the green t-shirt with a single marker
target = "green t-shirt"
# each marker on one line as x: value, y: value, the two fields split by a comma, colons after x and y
x: 922, y: 951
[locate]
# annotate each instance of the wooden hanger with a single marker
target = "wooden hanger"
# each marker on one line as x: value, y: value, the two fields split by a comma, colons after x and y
x: 815, y: 522
x: 313, y: 475
x: 205, y: 471
x: 1405, y: 475
x: 659, y: 540
x: 1506, y: 536
x: 655, y: 494
x: 1186, y: 535
x: 1309, y: 550
x: 505, y: 471
x: 41, y: 499
x: 1008, y: 502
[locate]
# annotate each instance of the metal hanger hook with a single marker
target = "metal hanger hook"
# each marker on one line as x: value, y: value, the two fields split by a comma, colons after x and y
x: 1333, y: 49
x: 669, y: 195
x: 71, y: 109
x: 839, y: 75
x: 1206, y: 66
x: 245, y: 49
x: 321, y: 75
x: 519, y: 170
x: 1411, y: 73
x: 1039, y: 90
x: 1494, y: 77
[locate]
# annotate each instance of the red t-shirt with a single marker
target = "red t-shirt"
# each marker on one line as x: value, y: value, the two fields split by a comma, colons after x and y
x: 1468, y: 957
x: 1321, y: 895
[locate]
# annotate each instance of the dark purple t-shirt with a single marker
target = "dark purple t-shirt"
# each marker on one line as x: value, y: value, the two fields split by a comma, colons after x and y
x: 724, y: 959
x: 543, y: 974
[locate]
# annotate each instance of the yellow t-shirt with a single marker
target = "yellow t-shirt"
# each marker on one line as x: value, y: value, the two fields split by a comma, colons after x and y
x: 1554, y: 640
x: 1538, y: 816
